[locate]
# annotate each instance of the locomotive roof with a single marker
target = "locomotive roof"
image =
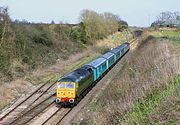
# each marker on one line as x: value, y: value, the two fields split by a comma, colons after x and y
x: 115, y: 50
x: 75, y: 76
x: 95, y: 63
x: 107, y: 55
x: 122, y: 45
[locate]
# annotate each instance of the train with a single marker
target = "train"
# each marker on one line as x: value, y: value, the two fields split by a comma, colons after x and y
x: 72, y: 87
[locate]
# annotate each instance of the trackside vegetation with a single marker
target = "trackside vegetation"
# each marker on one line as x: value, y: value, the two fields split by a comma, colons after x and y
x: 26, y: 46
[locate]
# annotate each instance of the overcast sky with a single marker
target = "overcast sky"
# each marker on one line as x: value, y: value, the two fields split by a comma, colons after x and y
x: 135, y: 12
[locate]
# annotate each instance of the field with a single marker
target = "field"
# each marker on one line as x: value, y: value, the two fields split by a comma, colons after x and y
x: 171, y: 35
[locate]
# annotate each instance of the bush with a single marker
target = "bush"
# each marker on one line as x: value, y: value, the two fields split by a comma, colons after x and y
x: 79, y: 34
x: 98, y: 26
x: 4, y: 63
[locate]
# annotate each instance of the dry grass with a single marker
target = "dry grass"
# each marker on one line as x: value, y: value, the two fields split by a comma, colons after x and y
x: 62, y: 66
x: 9, y: 91
x: 149, y: 68
x: 114, y: 40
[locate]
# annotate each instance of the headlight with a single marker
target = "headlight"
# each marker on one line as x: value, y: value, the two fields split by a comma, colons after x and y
x: 58, y: 100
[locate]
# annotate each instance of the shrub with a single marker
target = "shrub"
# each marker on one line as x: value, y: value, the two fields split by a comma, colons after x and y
x: 98, y: 26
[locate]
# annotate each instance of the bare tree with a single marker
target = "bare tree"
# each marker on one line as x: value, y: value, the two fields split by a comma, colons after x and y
x: 167, y: 16
x: 178, y: 18
x: 52, y: 22
x: 4, y: 22
x: 164, y: 16
x: 176, y: 15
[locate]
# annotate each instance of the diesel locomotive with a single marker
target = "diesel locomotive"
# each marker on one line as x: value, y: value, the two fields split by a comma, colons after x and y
x: 73, y: 86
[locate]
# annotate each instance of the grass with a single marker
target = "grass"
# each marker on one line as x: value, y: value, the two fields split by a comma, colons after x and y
x: 53, y: 77
x: 146, y: 106
x: 172, y: 35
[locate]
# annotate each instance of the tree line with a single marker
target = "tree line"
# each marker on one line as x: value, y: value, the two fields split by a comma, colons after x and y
x: 94, y: 26
x: 168, y: 16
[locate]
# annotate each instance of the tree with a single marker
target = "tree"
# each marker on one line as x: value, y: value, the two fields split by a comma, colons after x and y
x: 5, y: 45
x: 52, y: 22
x: 178, y: 18
x: 176, y: 15
x: 164, y: 16
x: 98, y: 26
x: 167, y: 16
x: 4, y: 22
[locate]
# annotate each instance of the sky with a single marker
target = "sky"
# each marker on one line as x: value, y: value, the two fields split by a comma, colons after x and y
x: 135, y: 12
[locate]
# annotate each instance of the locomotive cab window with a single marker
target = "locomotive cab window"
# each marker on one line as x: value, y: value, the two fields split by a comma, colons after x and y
x: 90, y: 70
x: 61, y: 85
x: 70, y: 85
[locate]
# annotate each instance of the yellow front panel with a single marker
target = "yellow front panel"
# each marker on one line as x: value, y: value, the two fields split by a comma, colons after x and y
x: 65, y: 92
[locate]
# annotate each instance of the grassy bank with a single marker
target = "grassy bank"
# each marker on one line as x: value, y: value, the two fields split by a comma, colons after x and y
x: 55, y: 76
x: 31, y: 46
x: 158, y: 106
x: 147, y: 83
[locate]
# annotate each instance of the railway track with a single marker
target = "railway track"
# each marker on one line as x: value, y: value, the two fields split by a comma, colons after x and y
x: 133, y: 44
x: 24, y: 118
x: 22, y: 106
x: 132, y: 41
x: 53, y: 116
x: 64, y: 114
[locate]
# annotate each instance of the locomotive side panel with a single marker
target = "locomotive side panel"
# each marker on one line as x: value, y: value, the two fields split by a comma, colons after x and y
x: 84, y: 84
